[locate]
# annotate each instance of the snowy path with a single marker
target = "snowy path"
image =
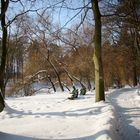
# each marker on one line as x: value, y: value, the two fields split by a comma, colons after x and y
x: 127, y: 105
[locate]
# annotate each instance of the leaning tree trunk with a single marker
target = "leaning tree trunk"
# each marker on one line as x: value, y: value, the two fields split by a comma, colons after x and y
x: 3, y: 55
x: 57, y: 74
x: 52, y: 83
x: 56, y: 71
x: 99, y: 78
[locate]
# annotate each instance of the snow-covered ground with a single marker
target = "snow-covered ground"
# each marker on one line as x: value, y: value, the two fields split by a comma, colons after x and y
x: 52, y: 116
x: 126, y: 103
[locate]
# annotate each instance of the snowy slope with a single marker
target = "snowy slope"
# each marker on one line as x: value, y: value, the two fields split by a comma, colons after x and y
x: 53, y: 116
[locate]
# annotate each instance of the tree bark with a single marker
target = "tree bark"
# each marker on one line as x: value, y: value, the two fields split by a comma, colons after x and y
x: 52, y: 83
x: 135, y: 56
x: 57, y: 74
x: 4, y: 9
x: 134, y: 76
x: 2, y: 104
x: 88, y: 83
x: 99, y: 77
x: 3, y: 56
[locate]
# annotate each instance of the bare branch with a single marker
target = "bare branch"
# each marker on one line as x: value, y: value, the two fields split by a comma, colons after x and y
x: 11, y: 21
x: 83, y: 18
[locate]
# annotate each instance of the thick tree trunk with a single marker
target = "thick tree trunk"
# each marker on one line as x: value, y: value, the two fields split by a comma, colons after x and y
x: 3, y: 56
x: 99, y: 78
x: 4, y: 8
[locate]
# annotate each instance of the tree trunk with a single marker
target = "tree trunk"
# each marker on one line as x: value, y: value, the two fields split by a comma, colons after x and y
x: 99, y: 78
x: 3, y: 56
x: 134, y: 60
x: 88, y: 83
x: 135, y: 56
x: 134, y: 76
x: 4, y: 8
x: 2, y: 105
x: 57, y: 74
x: 52, y: 83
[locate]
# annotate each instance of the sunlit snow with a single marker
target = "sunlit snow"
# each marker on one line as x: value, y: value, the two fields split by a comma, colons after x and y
x: 53, y: 116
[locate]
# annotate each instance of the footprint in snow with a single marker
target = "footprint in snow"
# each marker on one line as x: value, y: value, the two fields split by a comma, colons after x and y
x: 2, y: 117
x: 60, y: 134
x: 47, y: 106
x: 48, y: 117
x: 37, y: 116
x: 14, y: 106
x: 11, y: 116
x: 29, y: 112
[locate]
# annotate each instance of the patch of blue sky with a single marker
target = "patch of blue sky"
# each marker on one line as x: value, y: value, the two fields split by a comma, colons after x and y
x: 67, y: 13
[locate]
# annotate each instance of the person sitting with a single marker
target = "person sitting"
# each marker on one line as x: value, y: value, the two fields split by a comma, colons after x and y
x: 74, y: 94
x: 83, y: 91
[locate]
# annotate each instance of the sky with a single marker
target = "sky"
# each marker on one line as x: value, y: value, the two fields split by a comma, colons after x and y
x: 59, y: 11
x: 61, y: 16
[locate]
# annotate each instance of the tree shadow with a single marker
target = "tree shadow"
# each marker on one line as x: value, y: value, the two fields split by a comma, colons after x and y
x: 77, y: 112
x: 102, y: 133
x: 70, y: 113
x: 14, y: 113
x: 7, y: 136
